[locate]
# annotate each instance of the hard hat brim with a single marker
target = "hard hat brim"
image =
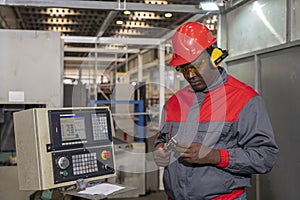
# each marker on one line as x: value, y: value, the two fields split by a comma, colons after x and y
x: 178, y: 60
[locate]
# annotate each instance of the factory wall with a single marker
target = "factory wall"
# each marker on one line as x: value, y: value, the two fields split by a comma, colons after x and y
x: 263, y: 41
x: 31, y: 67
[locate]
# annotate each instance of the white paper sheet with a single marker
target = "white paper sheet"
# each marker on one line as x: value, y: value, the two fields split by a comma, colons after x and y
x: 103, y: 188
x: 16, y: 96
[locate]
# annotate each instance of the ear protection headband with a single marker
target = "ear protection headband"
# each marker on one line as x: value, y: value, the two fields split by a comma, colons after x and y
x: 217, y: 55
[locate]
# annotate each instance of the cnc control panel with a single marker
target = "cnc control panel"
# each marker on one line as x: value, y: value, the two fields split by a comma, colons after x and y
x: 56, y: 147
x: 76, y: 164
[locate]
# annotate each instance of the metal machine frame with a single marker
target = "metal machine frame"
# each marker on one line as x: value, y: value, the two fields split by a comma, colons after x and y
x: 45, y: 161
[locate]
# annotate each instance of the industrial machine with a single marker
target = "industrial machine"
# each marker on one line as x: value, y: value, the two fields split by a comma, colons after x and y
x: 56, y: 147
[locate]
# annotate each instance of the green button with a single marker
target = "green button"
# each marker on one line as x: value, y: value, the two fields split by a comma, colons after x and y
x: 65, y: 173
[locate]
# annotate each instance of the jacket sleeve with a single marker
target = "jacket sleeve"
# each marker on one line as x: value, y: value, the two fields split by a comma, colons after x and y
x: 164, y: 130
x: 257, y: 150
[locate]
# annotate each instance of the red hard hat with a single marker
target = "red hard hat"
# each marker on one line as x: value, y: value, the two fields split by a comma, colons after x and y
x: 189, y: 41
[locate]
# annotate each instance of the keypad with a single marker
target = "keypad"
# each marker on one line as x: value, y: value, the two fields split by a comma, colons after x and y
x: 84, y: 163
x: 100, y: 129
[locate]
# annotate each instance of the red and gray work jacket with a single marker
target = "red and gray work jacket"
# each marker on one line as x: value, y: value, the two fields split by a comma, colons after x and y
x: 229, y: 116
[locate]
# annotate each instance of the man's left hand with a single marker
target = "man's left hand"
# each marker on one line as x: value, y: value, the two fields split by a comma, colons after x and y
x: 198, y: 153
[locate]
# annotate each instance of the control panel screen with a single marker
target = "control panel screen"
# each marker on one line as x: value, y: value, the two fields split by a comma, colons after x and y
x: 76, y: 128
x: 72, y: 127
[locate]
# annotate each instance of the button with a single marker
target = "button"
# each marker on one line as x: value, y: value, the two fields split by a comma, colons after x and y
x: 105, y: 155
x: 65, y: 173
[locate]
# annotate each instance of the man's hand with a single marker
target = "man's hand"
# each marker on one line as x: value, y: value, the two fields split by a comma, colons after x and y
x: 161, y: 156
x: 197, y: 153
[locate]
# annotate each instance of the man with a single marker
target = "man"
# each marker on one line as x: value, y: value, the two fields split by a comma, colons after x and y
x: 217, y: 127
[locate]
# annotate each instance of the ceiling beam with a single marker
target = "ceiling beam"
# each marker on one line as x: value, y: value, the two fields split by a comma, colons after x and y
x: 111, y: 40
x: 105, y: 5
x: 108, y: 21
x: 20, y: 18
x: 77, y: 66
x: 100, y: 50
x: 89, y: 59
x: 3, y: 23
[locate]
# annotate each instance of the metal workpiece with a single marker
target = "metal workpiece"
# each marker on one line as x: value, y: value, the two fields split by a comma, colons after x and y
x: 171, y: 145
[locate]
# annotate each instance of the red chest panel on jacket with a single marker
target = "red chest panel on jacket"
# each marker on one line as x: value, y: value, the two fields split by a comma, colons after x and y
x: 221, y: 104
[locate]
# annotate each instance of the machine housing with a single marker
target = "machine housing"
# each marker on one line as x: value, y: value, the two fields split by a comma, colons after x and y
x: 56, y: 147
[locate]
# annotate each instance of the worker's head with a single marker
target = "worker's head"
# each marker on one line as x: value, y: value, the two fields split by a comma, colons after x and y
x: 195, y: 56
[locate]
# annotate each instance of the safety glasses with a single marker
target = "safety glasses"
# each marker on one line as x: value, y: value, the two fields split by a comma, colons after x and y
x: 191, y: 67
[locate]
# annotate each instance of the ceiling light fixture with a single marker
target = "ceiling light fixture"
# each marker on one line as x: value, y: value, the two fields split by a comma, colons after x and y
x: 119, y: 22
x: 126, y: 12
x: 57, y: 11
x: 137, y: 24
x: 145, y: 15
x: 159, y: 2
x: 168, y: 15
x: 209, y: 6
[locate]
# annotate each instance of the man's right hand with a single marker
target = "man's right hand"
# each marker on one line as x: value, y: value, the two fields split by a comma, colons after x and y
x: 161, y: 156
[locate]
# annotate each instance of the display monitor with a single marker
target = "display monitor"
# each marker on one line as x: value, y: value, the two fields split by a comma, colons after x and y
x: 79, y: 127
x: 72, y: 127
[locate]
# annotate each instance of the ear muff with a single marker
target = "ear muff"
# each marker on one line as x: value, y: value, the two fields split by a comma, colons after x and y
x: 217, y: 56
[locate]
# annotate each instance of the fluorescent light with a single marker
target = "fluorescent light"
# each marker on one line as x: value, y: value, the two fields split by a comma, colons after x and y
x: 126, y: 12
x: 119, y: 22
x: 168, y: 15
x: 209, y: 6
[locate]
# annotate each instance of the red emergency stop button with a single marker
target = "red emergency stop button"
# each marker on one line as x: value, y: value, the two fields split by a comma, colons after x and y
x: 105, y: 155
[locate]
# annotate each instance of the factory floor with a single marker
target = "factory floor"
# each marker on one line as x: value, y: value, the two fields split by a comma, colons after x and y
x: 161, y: 195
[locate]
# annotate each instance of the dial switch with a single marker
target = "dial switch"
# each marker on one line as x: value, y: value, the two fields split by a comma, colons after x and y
x: 63, y: 162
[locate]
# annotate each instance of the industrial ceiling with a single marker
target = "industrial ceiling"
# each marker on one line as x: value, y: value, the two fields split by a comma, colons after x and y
x: 84, y: 23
